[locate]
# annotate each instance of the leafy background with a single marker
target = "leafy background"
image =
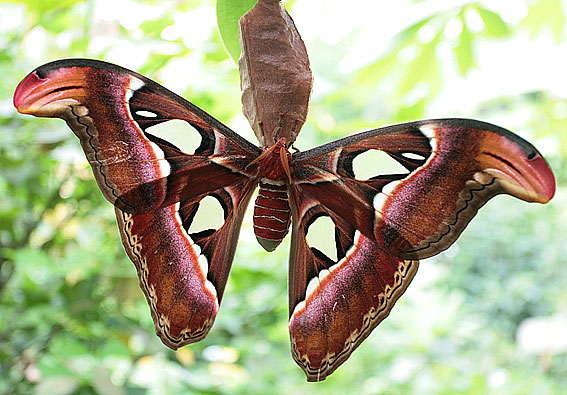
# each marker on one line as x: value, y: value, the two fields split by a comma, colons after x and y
x: 486, y: 316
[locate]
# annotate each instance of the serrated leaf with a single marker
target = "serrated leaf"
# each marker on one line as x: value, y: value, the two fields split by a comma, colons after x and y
x: 228, y: 14
x: 494, y: 25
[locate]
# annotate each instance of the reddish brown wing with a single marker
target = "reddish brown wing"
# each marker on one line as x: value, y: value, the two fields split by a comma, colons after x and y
x: 334, y: 305
x: 111, y: 110
x: 183, y: 274
x: 385, y: 223
x: 155, y: 183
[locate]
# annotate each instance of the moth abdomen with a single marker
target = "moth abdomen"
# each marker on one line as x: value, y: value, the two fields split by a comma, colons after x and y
x: 271, y: 214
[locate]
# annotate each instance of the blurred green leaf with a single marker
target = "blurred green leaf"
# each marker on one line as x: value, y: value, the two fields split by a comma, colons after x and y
x: 154, y: 27
x: 373, y: 73
x: 423, y: 68
x: 494, y: 25
x: 57, y: 386
x: 547, y: 14
x: 155, y: 62
x: 464, y: 51
x: 228, y: 15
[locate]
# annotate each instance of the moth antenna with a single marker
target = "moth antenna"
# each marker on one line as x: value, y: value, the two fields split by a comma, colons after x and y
x: 261, y: 125
x: 261, y: 156
x: 285, y: 163
x: 294, y: 135
x: 279, y: 127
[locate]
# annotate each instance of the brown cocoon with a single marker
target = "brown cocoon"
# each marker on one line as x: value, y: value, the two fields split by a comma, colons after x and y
x: 275, y: 77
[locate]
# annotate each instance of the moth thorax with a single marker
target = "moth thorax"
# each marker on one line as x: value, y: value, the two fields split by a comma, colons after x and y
x: 274, y: 161
x: 271, y: 214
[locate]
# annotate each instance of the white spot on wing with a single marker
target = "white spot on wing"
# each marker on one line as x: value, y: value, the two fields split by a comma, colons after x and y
x: 322, y: 274
x: 298, y: 308
x: 164, y: 166
x: 146, y: 114
x: 311, y: 287
x: 374, y: 162
x: 321, y: 235
x: 135, y: 84
x: 158, y: 152
x: 195, y: 246
x: 335, y: 160
x: 381, y: 197
x: 212, y: 290
x: 413, y: 155
x: 378, y: 203
x: 203, y: 265
x: 428, y: 131
x: 388, y: 189
x: 218, y: 143
x: 178, y: 133
x: 349, y: 253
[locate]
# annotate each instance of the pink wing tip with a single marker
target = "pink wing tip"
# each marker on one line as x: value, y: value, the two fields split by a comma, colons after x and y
x: 23, y: 92
x: 545, y: 178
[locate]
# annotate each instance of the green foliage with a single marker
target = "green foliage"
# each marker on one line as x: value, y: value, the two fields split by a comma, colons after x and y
x: 228, y: 14
x: 72, y: 316
x: 547, y: 14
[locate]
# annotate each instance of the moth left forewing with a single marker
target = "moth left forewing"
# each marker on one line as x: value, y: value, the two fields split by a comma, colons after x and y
x: 336, y: 301
x: 115, y: 113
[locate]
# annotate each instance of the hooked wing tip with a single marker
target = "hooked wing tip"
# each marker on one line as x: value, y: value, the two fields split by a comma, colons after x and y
x: 23, y: 93
x: 520, y: 168
x: 544, y: 180
x: 47, y: 92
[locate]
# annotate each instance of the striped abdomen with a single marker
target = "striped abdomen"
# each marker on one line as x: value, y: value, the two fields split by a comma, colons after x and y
x: 271, y: 214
